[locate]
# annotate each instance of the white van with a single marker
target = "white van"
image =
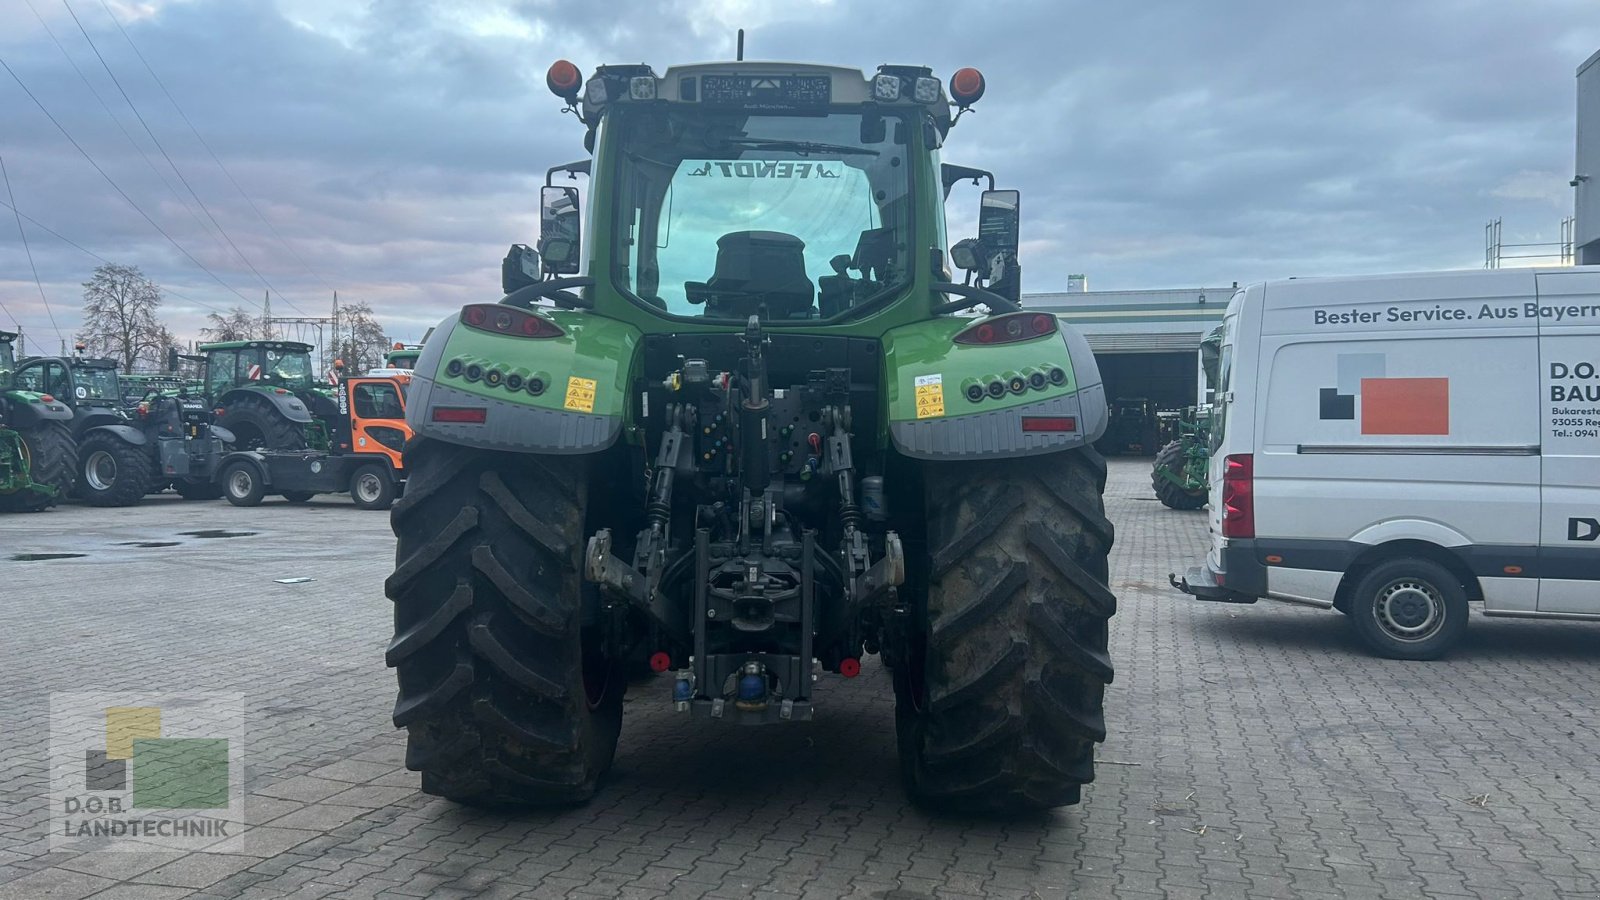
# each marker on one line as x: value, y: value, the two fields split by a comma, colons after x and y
x: 1395, y: 446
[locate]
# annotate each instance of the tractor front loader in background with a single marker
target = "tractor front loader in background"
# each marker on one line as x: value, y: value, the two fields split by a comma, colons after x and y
x: 766, y: 435
x: 38, y: 455
x: 1179, y: 473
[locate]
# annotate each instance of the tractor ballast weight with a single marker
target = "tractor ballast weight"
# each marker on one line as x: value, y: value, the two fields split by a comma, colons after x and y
x: 37, y: 452
x: 754, y: 451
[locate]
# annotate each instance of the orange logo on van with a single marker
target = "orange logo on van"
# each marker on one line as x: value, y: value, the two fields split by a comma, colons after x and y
x: 1387, y: 405
x: 1405, y: 406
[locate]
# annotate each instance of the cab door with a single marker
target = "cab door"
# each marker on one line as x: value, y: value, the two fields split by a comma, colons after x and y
x: 378, y: 417
x: 1569, y: 378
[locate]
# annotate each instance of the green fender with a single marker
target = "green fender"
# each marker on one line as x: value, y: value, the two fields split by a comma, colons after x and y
x: 565, y: 394
x: 943, y: 403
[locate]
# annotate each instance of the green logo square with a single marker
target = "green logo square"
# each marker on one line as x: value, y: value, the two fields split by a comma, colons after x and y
x: 180, y: 773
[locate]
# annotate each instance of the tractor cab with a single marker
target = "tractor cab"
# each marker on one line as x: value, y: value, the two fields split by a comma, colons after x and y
x: 37, y: 450
x: 403, y: 356
x: 268, y: 395
x: 90, y: 386
x: 374, y: 414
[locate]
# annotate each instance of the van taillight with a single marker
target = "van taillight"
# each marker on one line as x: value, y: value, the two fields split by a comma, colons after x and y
x: 1238, y: 496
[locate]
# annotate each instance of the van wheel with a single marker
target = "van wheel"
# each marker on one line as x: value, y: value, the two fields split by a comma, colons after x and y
x: 1409, y: 609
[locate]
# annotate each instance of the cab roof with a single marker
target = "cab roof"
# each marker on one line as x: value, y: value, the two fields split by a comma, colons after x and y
x: 293, y: 346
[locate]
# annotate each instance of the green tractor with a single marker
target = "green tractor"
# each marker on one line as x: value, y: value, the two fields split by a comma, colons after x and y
x: 268, y: 395
x: 1179, y: 473
x: 37, y: 452
x: 767, y: 434
x: 126, y: 452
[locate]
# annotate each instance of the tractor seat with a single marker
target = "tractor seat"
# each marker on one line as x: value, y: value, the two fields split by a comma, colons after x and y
x: 756, y: 268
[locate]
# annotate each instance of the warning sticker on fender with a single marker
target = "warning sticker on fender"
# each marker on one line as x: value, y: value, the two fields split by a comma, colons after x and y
x: 930, y: 396
x: 580, y: 394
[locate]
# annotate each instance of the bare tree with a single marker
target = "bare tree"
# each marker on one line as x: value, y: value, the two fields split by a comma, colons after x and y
x: 119, y: 317
x: 359, y: 340
x: 237, y: 325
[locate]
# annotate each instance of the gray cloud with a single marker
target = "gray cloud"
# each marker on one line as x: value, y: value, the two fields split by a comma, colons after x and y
x: 397, y: 146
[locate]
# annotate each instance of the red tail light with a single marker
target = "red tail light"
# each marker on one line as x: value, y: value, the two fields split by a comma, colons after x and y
x: 1049, y: 423
x: 497, y: 318
x: 470, y: 415
x: 1238, y: 496
x: 1008, y: 329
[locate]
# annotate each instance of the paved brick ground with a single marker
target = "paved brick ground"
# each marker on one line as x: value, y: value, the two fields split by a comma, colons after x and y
x: 1254, y: 751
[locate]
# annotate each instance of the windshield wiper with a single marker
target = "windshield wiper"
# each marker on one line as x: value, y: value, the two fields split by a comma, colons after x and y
x: 804, y: 148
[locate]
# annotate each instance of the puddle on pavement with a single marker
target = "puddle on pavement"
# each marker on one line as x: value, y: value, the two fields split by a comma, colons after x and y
x: 35, y: 557
x: 216, y: 533
x: 149, y: 543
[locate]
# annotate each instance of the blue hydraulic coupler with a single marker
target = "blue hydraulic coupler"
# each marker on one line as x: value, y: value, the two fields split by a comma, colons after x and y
x: 752, y: 688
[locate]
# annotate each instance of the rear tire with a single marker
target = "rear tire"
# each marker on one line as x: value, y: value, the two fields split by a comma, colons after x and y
x: 242, y: 484
x: 258, y: 425
x: 1173, y: 459
x: 1410, y: 609
x: 999, y: 707
x: 52, y: 460
x: 112, y: 472
x: 371, y: 487
x: 503, y: 693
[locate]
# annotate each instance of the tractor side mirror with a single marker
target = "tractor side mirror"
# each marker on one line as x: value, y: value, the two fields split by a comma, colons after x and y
x: 559, y: 230
x: 172, y: 359
x: 999, y: 233
x: 520, y: 268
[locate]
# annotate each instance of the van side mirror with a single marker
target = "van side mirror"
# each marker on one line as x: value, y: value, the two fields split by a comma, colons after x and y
x: 520, y: 268
x: 559, y: 230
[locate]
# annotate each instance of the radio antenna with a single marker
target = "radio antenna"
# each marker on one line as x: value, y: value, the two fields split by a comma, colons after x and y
x: 741, y: 45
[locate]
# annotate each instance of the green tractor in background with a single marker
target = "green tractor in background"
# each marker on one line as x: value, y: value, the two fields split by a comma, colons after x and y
x: 1179, y: 473
x: 268, y: 394
x: 38, y: 455
x: 765, y: 435
x: 126, y: 452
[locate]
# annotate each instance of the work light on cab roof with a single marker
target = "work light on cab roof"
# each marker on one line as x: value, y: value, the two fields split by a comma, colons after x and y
x: 770, y: 85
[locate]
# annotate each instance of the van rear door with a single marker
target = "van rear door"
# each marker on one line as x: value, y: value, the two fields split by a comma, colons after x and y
x: 1569, y: 363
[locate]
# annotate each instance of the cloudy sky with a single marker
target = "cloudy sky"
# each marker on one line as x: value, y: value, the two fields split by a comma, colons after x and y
x: 392, y: 149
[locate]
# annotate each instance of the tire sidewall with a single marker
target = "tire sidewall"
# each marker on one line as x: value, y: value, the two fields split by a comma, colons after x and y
x: 253, y: 496
x: 386, y: 491
x: 1365, y: 616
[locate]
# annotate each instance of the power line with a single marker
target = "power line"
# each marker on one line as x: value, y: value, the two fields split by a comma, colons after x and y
x: 165, y: 155
x: 214, y: 158
x: 28, y: 250
x: 85, y: 250
x: 124, y: 194
x: 165, y: 181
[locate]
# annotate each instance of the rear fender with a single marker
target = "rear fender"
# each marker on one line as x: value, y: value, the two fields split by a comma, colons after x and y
x: 290, y: 406
x: 28, y: 409
x: 928, y: 378
x: 583, y: 374
x: 126, y: 433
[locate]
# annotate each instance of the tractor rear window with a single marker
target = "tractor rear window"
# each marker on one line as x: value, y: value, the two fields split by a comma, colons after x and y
x: 727, y: 214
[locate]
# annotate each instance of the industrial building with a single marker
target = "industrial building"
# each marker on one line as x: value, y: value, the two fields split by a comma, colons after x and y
x: 1147, y: 344
x: 1586, y: 177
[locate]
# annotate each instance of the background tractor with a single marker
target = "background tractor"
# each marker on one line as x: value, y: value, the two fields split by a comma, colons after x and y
x: 125, y: 453
x: 268, y: 395
x: 767, y: 434
x: 38, y: 455
x: 364, y: 458
x: 1179, y: 473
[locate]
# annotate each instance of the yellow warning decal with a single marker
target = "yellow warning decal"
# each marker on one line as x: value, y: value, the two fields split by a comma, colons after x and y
x: 930, y: 396
x: 580, y: 394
